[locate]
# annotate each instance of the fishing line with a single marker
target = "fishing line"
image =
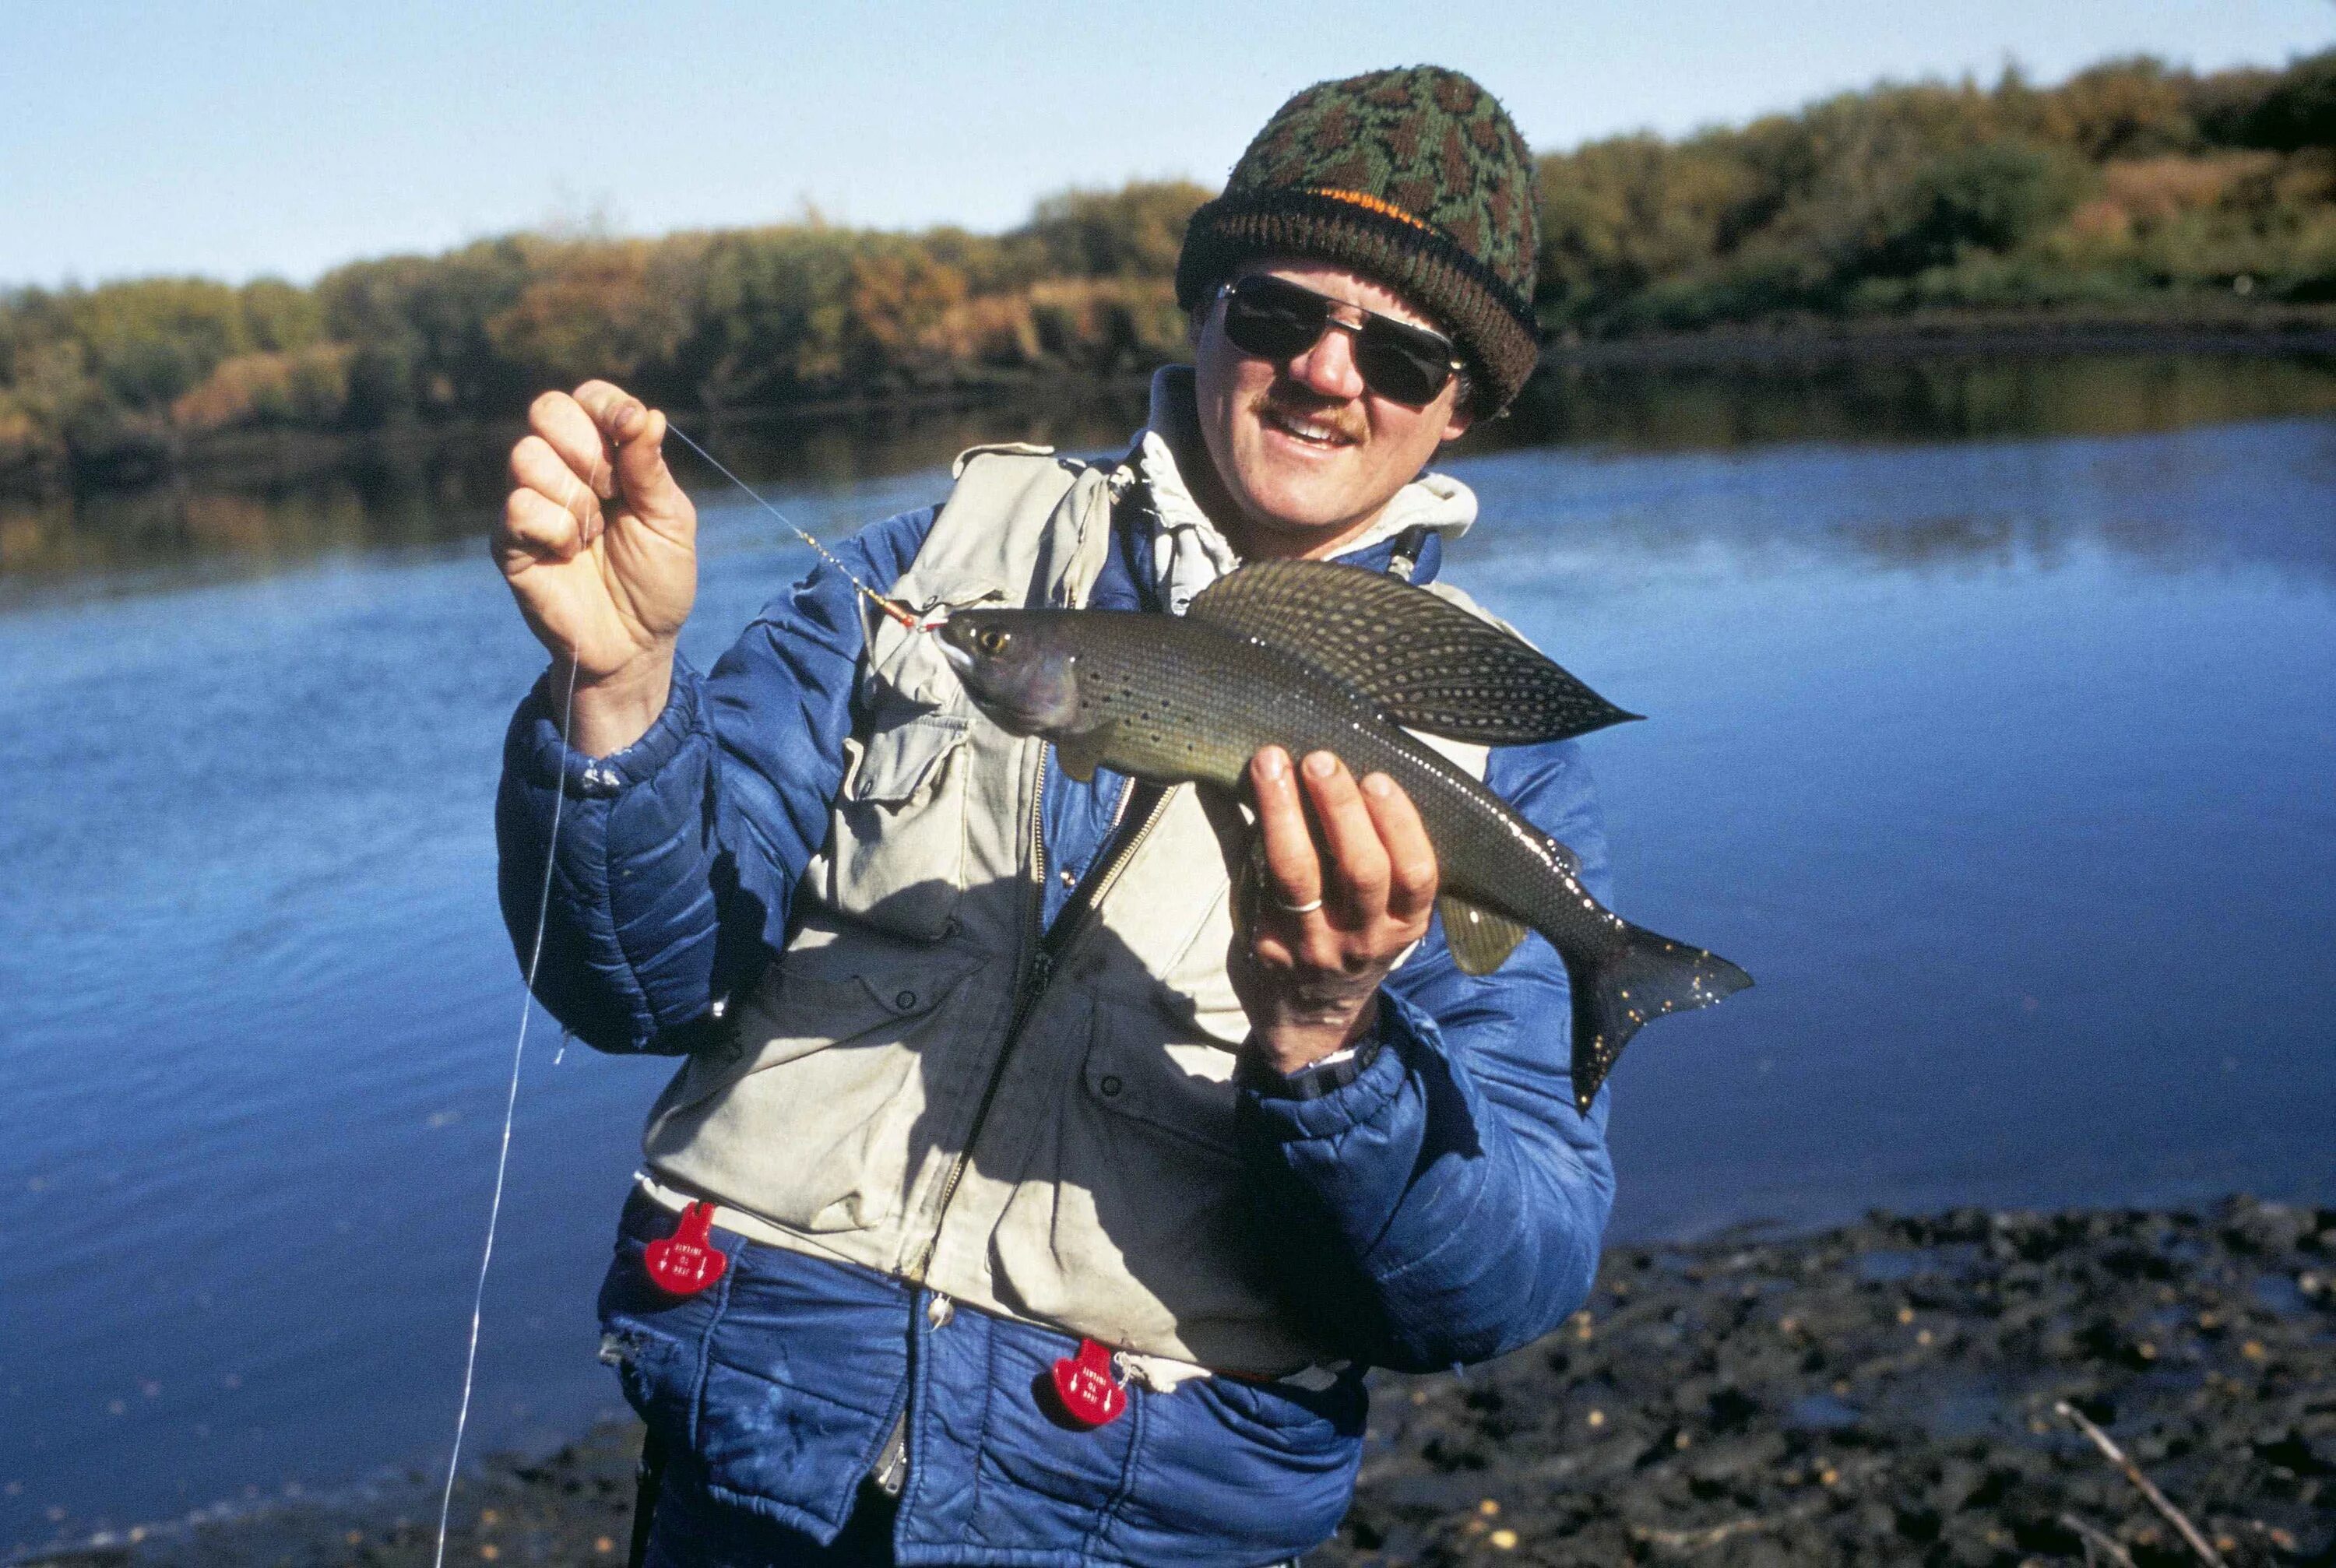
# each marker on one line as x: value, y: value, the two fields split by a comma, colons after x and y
x: 892, y: 607
x: 511, y: 1109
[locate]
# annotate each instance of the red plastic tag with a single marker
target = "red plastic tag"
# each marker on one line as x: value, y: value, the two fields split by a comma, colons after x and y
x: 1091, y: 1394
x: 686, y: 1261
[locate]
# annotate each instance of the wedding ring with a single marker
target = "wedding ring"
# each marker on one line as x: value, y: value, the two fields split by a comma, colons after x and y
x: 1307, y: 908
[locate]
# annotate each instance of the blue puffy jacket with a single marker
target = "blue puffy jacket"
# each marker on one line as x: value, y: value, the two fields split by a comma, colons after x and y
x: 1446, y: 1206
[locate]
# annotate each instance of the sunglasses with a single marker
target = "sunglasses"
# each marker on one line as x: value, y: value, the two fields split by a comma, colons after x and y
x: 1274, y: 318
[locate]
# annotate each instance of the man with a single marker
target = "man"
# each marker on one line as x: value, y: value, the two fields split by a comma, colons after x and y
x: 1066, y: 1190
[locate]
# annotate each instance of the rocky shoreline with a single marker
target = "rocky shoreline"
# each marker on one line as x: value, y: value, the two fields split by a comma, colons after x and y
x: 1886, y: 1393
x: 1883, y: 1392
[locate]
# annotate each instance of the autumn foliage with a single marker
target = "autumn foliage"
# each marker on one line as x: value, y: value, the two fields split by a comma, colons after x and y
x: 124, y: 375
x: 2133, y: 189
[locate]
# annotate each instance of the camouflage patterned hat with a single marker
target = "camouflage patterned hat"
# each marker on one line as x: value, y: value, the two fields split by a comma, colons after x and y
x: 1415, y: 177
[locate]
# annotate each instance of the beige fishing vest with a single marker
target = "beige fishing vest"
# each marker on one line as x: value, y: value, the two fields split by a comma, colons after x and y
x: 879, y: 1103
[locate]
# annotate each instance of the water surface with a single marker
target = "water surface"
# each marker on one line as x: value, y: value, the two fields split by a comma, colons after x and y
x: 1993, y: 726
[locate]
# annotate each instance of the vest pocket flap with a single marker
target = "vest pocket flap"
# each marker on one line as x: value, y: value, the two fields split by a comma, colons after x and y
x: 1141, y: 1065
x: 907, y: 665
x: 816, y: 998
x: 814, y: 1129
x: 898, y: 758
x: 820, y: 996
x: 906, y: 993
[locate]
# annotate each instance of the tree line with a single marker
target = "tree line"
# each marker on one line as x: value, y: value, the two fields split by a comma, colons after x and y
x: 2133, y: 187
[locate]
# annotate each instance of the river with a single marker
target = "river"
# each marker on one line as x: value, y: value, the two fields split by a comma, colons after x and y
x: 1992, y: 727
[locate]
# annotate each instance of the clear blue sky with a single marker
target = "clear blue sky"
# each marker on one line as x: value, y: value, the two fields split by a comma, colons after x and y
x: 240, y: 139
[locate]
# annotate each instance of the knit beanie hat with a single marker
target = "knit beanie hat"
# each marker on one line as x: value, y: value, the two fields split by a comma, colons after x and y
x: 1415, y: 177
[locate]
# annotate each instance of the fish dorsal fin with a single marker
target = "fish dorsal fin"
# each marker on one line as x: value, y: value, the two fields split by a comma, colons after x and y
x: 1481, y: 942
x: 1428, y: 664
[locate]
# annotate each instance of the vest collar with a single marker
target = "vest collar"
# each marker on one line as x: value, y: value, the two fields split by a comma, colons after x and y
x: 1188, y: 551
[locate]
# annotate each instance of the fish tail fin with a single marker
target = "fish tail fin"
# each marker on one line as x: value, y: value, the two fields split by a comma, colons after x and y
x: 1640, y: 980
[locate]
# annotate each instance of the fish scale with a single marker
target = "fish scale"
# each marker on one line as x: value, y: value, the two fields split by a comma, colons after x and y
x: 1193, y: 704
x: 1177, y: 700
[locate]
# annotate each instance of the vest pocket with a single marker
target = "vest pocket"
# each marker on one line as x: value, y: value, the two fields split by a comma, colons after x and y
x: 1159, y: 1071
x: 811, y: 1125
x: 1128, y: 1224
x: 899, y: 822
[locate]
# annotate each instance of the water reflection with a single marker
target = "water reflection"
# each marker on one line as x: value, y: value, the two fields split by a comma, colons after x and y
x: 1936, y: 395
x: 277, y: 502
x: 271, y: 504
x: 2210, y: 497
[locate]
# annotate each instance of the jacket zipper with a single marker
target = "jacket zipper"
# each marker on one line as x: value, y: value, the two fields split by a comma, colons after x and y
x: 892, y: 1467
x: 1043, y: 950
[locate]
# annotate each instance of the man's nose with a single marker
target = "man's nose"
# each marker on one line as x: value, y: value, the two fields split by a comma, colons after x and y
x: 1327, y: 368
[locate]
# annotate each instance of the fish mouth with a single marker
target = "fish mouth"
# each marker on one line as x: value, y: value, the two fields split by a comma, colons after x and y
x: 959, y: 658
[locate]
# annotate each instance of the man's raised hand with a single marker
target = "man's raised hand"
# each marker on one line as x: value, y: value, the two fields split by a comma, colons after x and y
x: 1343, y: 900
x: 598, y: 545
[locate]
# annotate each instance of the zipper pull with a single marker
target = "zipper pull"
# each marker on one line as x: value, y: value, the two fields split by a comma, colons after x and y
x: 1042, y: 970
x: 891, y: 1471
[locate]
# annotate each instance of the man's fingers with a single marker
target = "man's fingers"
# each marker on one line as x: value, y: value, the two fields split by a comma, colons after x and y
x: 1293, y: 871
x: 601, y: 400
x: 1412, y: 869
x: 635, y: 432
x: 1357, y: 860
x: 535, y: 466
x: 649, y: 485
x: 568, y: 428
x: 536, y: 524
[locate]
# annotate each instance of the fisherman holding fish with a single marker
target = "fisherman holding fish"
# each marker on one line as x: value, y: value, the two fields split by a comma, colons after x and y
x: 1078, y: 1092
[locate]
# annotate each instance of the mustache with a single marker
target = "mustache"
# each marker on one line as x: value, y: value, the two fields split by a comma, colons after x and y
x: 1296, y: 403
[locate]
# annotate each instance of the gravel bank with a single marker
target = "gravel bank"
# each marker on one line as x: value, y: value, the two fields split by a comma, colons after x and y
x: 1881, y: 1393
x: 1885, y: 1393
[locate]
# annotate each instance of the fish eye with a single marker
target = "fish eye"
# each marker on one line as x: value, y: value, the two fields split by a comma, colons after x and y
x: 991, y: 640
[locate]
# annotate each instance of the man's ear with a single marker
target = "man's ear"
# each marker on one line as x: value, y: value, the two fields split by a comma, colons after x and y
x: 1464, y: 409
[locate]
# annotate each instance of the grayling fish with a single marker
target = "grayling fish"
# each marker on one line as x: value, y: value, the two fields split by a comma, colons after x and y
x: 1313, y: 657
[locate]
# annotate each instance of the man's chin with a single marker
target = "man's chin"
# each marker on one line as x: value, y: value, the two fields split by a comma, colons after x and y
x: 1303, y: 500
x: 1298, y: 519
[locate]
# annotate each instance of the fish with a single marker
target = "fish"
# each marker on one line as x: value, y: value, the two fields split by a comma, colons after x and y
x: 1315, y: 656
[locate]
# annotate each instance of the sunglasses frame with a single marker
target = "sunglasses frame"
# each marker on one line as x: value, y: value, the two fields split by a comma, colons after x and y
x: 1417, y: 344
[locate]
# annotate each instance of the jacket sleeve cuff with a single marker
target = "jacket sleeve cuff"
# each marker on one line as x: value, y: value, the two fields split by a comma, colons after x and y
x: 542, y: 758
x: 1403, y: 1032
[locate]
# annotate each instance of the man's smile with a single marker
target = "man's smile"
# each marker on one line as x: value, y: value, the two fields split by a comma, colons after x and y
x: 1315, y: 431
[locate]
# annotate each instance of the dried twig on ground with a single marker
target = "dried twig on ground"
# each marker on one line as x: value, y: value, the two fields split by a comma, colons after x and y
x: 1697, y: 1540
x: 2157, y: 1499
x: 2099, y: 1540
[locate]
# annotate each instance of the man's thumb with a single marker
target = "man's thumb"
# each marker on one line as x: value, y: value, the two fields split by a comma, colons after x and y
x: 648, y: 484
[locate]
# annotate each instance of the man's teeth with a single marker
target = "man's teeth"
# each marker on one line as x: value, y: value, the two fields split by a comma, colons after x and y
x: 1306, y: 429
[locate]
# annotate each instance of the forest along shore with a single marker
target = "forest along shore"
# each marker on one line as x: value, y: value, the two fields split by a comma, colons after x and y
x: 2134, y: 189
x: 265, y: 455
x: 1883, y: 1392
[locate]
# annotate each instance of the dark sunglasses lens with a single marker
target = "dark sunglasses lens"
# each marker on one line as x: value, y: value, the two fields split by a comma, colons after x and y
x: 1272, y: 319
x: 1401, y: 372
